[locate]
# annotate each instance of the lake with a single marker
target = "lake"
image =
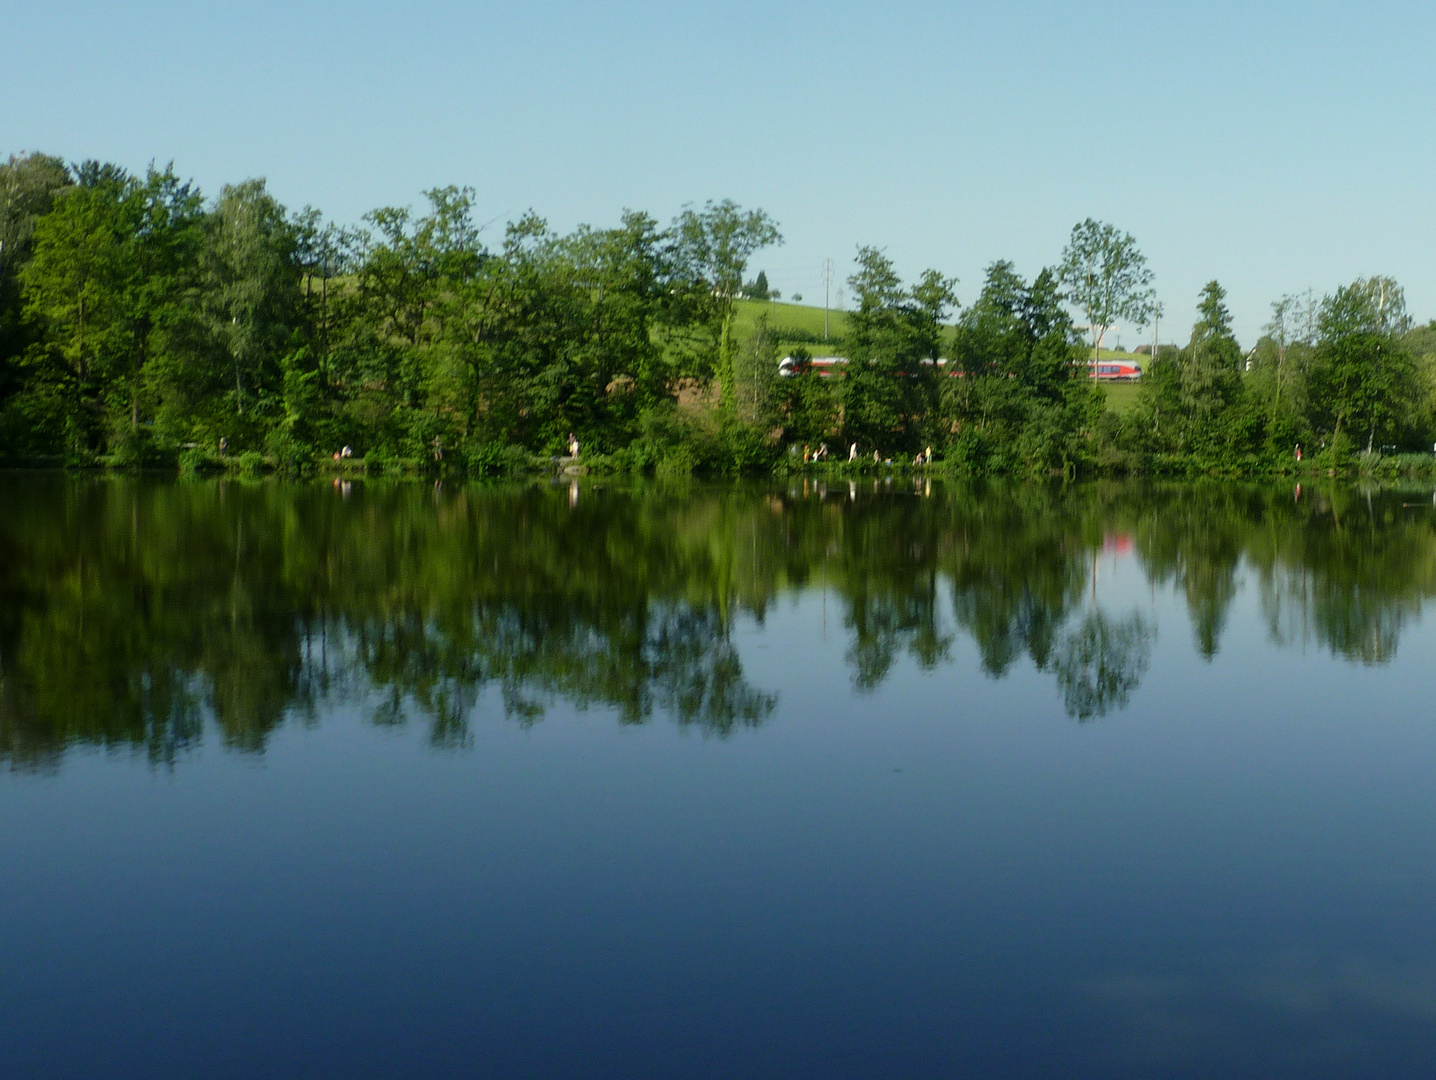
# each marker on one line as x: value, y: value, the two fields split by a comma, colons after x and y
x: 782, y: 780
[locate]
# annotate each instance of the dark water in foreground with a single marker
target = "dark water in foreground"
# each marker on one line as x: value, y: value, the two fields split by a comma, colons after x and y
x: 715, y: 782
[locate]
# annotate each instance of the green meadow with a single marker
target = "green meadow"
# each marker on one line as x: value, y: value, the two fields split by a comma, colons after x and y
x: 796, y: 324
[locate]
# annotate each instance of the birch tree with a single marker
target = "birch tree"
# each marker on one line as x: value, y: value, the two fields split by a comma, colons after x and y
x: 1106, y: 276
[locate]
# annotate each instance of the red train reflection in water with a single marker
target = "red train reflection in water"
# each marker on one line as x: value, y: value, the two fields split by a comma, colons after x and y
x: 1117, y: 544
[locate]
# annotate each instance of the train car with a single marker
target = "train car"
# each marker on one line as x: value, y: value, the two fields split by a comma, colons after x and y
x: 825, y: 366
x: 819, y: 365
x: 1114, y: 370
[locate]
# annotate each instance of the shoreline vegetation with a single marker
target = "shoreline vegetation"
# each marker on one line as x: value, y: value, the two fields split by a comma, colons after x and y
x: 144, y: 326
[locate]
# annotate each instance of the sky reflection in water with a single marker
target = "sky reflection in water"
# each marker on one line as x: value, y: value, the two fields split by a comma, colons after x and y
x: 710, y: 781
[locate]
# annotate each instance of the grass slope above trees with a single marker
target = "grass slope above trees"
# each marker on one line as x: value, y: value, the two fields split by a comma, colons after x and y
x: 792, y: 324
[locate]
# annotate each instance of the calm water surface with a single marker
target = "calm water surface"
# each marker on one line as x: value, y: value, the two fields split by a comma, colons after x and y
x: 786, y: 781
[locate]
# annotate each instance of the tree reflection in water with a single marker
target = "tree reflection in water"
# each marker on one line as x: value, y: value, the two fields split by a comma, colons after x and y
x: 1100, y: 662
x: 133, y: 613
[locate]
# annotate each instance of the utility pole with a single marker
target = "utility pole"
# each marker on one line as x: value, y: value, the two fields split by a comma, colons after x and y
x: 827, y: 281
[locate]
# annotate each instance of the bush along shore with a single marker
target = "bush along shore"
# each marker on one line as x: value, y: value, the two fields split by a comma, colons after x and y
x: 144, y: 325
x: 516, y: 463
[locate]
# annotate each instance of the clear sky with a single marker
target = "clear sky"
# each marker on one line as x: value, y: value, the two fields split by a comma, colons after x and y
x: 1275, y: 147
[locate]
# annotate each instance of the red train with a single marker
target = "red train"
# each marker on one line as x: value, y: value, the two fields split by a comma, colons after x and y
x: 825, y: 366
x: 822, y: 365
x: 1114, y: 370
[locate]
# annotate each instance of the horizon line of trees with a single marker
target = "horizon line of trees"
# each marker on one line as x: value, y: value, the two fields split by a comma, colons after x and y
x: 141, y: 324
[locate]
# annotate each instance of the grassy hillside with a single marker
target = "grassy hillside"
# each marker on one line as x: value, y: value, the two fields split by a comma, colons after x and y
x: 1422, y: 340
x: 796, y: 324
x: 1121, y: 396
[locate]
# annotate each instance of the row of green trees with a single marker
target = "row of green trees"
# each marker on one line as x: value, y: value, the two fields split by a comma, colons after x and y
x: 141, y: 324
x: 138, y: 321
x: 1345, y: 377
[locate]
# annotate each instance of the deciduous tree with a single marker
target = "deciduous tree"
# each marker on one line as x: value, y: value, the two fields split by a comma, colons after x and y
x: 710, y: 250
x: 1106, y: 276
x: 1362, y: 378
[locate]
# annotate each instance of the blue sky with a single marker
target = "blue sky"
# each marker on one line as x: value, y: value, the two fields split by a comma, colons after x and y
x: 1274, y: 147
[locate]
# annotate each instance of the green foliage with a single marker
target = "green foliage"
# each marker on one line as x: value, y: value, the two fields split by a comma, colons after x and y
x: 193, y: 461
x: 1361, y: 375
x: 1191, y: 398
x: 707, y: 255
x: 1015, y: 398
x: 379, y: 462
x: 1334, y: 377
x: 676, y: 442
x: 1106, y: 276
x: 130, y: 447
x: 29, y: 185
x: 888, y: 391
x: 491, y: 459
x: 808, y: 407
x: 112, y: 266
x: 194, y: 323
x: 1210, y: 378
x: 250, y: 295
x: 137, y: 319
